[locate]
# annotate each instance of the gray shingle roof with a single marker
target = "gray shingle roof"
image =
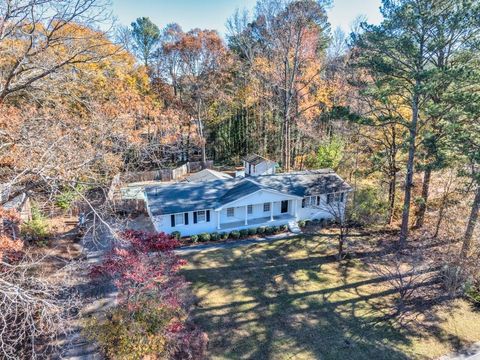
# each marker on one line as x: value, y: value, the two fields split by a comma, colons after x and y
x: 182, y: 197
x: 241, y: 189
x: 207, y: 175
x: 255, y: 159
x: 305, y: 183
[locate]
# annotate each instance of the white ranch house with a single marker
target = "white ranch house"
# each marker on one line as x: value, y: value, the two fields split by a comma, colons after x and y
x: 233, y: 204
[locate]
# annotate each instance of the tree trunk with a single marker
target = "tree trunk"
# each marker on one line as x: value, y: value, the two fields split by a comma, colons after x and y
x: 443, y: 206
x: 187, y: 153
x: 392, y: 189
x: 202, y: 135
x: 392, y: 186
x: 472, y: 221
x: 410, y: 167
x: 423, y: 205
x: 341, y: 241
x: 440, y: 216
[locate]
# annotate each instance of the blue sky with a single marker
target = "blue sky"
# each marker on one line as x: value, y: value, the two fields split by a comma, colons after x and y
x: 212, y: 14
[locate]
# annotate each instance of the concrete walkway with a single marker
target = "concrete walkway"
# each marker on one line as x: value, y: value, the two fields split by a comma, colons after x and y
x: 471, y: 353
x: 188, y: 249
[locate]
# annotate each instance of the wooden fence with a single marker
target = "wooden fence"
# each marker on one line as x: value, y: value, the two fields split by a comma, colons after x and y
x: 162, y: 174
x: 136, y: 205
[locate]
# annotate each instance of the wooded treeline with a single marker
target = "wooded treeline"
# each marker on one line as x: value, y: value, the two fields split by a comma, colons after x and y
x: 393, y: 106
x: 396, y: 102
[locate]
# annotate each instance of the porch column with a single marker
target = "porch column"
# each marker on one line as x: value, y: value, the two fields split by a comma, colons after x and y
x: 295, y: 204
x: 271, y: 211
x: 218, y: 219
x: 246, y: 215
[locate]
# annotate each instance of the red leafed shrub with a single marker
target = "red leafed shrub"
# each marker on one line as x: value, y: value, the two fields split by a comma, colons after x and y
x: 151, y: 318
x: 150, y: 242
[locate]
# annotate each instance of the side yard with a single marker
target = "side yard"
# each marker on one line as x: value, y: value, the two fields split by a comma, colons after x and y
x: 291, y: 299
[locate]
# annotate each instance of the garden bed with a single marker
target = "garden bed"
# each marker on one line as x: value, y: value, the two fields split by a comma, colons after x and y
x: 234, y: 235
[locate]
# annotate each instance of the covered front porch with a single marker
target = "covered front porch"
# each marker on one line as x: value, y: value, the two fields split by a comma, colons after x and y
x: 262, y: 221
x: 262, y: 208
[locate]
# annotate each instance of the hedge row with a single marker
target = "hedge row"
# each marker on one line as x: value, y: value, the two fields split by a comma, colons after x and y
x: 323, y: 222
x: 237, y: 234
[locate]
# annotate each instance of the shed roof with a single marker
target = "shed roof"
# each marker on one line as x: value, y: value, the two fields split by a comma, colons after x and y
x: 255, y: 159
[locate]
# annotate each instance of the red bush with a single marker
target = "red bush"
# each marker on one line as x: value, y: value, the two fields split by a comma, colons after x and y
x: 144, y: 264
x: 145, y: 271
x: 150, y: 242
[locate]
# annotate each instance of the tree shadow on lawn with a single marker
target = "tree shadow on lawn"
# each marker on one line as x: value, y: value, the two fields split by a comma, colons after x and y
x: 281, y: 307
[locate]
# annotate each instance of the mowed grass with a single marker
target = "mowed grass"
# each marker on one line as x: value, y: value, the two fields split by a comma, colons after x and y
x: 292, y: 300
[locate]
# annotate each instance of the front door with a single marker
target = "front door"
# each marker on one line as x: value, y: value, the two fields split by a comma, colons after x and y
x: 284, y: 206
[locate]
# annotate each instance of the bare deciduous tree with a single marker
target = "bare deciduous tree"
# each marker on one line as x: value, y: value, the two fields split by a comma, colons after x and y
x: 34, y: 310
x: 40, y: 37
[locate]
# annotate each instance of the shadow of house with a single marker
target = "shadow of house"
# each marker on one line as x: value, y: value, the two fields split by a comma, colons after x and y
x: 271, y: 313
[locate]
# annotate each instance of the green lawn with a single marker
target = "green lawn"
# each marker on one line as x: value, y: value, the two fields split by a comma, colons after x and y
x: 292, y: 300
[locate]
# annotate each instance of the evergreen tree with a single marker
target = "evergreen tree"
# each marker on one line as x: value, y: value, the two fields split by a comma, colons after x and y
x: 145, y: 36
x: 412, y: 59
x: 396, y: 52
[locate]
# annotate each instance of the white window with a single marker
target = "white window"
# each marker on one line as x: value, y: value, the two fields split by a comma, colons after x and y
x: 179, y: 219
x: 310, y: 201
x: 231, y: 212
x: 249, y: 209
x: 329, y: 198
x: 266, y: 207
x: 339, y: 197
x: 201, y: 216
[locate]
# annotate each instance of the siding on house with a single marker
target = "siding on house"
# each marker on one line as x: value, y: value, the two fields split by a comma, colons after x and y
x: 162, y: 223
x: 263, y: 168
x: 256, y: 165
x: 309, y: 195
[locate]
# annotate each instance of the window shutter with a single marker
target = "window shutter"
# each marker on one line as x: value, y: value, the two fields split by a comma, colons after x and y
x: 303, y: 202
x: 318, y: 200
x: 342, y: 197
x: 194, y: 217
x: 186, y: 218
x: 172, y: 219
x: 208, y: 215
